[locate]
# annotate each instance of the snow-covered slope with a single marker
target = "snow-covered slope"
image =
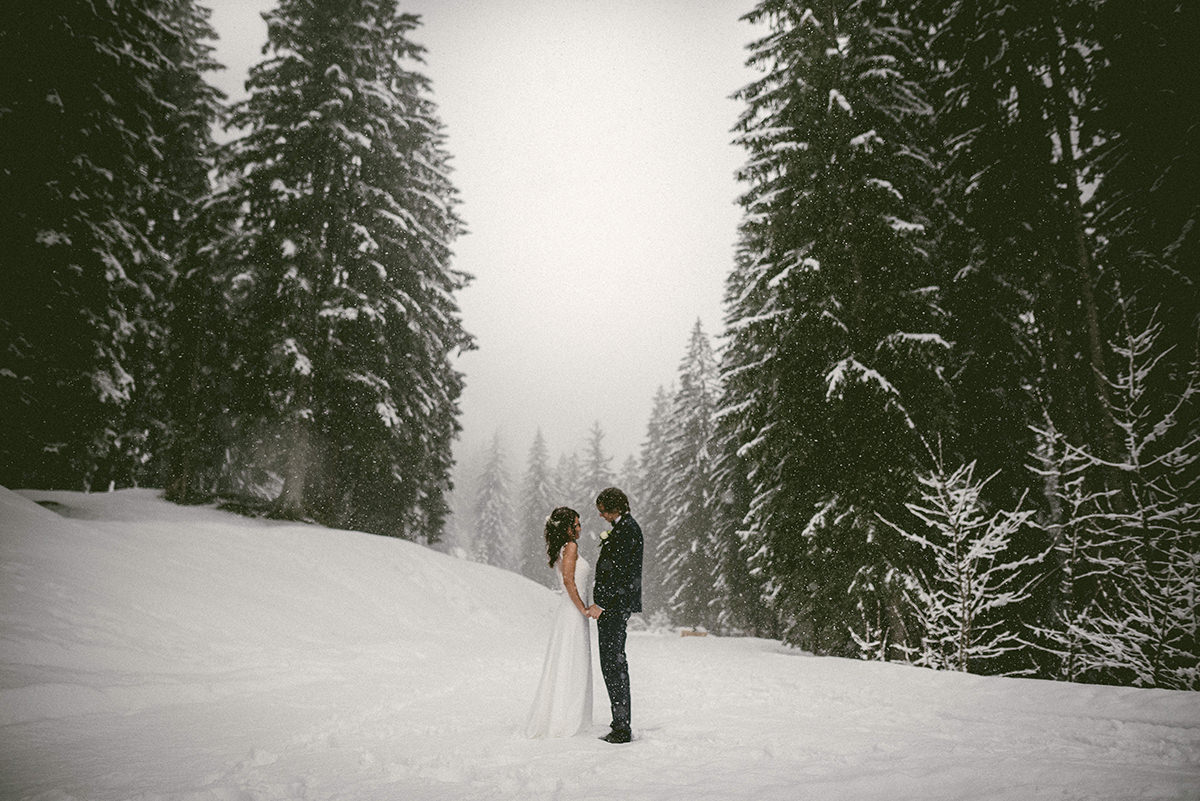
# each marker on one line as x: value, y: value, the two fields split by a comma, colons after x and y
x: 151, y: 651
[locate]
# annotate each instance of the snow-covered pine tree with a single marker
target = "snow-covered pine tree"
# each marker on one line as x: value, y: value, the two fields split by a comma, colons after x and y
x: 172, y: 381
x: 1148, y: 157
x: 688, y: 549
x: 833, y: 351
x: 962, y: 600
x: 496, y: 540
x: 1070, y: 162
x: 90, y: 125
x: 568, y: 479
x: 653, y: 509
x: 1129, y: 546
x: 629, y: 475
x: 538, y: 498
x: 201, y: 409
x: 596, y: 470
x: 343, y: 273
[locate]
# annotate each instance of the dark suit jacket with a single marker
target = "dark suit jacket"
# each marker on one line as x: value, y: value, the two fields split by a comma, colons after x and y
x: 619, y: 568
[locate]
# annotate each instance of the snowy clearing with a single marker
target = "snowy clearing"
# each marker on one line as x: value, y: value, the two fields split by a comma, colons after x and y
x: 151, y: 651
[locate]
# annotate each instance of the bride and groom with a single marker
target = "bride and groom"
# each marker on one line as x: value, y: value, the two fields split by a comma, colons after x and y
x: 562, y: 706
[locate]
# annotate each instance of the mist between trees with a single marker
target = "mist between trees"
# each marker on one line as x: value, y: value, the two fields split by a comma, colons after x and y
x: 950, y: 418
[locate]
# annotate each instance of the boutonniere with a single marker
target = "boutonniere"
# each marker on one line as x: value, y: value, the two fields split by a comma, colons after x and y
x: 604, y: 535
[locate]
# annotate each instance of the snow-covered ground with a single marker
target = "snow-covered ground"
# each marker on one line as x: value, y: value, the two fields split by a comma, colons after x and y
x: 150, y: 651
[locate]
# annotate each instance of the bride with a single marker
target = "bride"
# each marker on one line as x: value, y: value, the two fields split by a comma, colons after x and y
x: 563, y: 703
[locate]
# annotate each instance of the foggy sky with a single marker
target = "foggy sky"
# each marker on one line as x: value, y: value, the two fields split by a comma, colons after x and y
x: 590, y: 144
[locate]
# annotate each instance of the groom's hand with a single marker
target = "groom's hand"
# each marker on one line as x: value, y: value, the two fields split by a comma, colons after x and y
x: 594, y: 612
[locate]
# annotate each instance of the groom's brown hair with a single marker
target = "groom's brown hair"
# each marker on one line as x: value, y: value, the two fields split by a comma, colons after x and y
x: 612, y: 500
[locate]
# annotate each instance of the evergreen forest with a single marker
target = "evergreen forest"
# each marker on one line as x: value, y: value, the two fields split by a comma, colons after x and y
x: 271, y: 321
x: 949, y: 418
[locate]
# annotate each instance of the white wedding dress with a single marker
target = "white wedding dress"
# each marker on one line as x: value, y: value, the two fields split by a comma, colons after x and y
x: 562, y: 706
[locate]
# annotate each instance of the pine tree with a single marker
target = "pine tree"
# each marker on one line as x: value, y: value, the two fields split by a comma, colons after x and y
x: 739, y: 588
x: 630, y: 476
x: 344, y: 247
x: 568, y: 478
x: 688, y: 548
x: 1069, y: 157
x: 178, y: 381
x: 1129, y: 551
x: 538, y: 498
x: 834, y: 354
x: 496, y: 541
x: 596, y: 470
x: 961, y: 602
x: 199, y: 403
x: 654, y: 510
x: 104, y: 122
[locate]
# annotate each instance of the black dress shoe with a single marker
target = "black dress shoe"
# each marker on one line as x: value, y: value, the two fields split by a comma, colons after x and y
x: 615, y: 736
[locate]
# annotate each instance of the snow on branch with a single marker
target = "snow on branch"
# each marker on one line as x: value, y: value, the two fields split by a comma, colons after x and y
x: 838, y: 99
x: 852, y: 370
x: 866, y: 141
x: 958, y: 601
x: 300, y: 362
x: 897, y: 340
x: 903, y: 226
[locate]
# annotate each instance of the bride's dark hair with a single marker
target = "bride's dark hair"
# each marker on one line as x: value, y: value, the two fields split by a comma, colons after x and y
x: 558, y: 531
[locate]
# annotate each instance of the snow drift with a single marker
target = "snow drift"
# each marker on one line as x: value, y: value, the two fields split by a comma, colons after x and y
x: 152, y: 651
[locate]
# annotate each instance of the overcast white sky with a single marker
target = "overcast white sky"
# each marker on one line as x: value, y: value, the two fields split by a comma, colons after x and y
x: 591, y: 147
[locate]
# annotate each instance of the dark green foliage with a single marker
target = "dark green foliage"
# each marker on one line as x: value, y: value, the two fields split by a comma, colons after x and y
x: 1145, y: 121
x: 1022, y: 304
x: 835, y: 350
x: 338, y: 273
x: 104, y: 120
x: 1052, y: 175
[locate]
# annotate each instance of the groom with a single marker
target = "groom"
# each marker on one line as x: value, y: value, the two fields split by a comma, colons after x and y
x: 617, y: 594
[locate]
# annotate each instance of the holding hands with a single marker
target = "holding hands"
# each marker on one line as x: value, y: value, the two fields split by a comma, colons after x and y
x: 593, y: 612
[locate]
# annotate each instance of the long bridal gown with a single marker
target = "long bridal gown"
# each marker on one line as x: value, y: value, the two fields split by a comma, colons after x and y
x: 562, y: 706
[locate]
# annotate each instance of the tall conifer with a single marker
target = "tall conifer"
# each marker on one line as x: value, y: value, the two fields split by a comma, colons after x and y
x: 538, y: 498
x: 689, y: 548
x: 496, y: 540
x: 597, y: 472
x: 834, y: 350
x: 654, y: 509
x: 341, y: 266
x: 104, y: 117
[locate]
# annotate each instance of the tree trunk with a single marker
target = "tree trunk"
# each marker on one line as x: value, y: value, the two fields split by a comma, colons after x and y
x: 1060, y: 105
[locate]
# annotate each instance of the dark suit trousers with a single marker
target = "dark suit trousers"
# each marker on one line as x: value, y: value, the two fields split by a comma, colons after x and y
x: 611, y: 630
